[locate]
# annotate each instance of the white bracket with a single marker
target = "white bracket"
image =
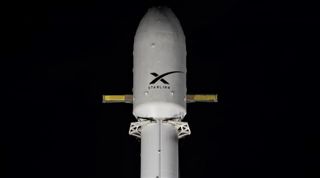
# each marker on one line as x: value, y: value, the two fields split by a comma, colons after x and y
x: 182, y: 128
x: 135, y: 128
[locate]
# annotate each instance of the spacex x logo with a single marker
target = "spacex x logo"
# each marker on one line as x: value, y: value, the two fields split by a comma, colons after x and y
x: 161, y: 77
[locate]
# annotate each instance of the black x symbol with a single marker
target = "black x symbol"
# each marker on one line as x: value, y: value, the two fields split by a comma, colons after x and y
x: 160, y: 77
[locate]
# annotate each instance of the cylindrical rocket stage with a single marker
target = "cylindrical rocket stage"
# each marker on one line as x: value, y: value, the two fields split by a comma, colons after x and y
x: 159, y: 151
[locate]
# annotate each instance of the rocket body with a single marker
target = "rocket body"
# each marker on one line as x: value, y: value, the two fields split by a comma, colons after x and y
x: 159, y: 90
x: 159, y: 67
x: 159, y: 151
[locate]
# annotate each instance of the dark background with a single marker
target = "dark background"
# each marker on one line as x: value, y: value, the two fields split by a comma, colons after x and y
x: 59, y: 57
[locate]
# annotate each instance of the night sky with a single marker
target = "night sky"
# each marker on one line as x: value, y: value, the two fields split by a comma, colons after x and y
x: 60, y: 56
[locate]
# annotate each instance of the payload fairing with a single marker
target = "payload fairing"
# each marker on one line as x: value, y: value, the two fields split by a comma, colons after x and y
x: 159, y: 92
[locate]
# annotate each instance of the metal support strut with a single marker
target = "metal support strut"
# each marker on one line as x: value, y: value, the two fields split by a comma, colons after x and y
x: 182, y: 128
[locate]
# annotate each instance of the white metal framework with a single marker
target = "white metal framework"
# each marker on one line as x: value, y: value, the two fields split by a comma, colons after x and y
x: 135, y: 128
x: 182, y: 128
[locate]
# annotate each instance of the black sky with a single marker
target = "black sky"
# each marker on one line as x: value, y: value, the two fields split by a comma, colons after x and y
x: 59, y: 57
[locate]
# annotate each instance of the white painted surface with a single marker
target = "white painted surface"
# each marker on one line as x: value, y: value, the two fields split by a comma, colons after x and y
x: 159, y: 48
x: 159, y: 151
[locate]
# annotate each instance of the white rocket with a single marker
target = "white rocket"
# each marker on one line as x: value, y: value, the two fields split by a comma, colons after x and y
x: 159, y: 92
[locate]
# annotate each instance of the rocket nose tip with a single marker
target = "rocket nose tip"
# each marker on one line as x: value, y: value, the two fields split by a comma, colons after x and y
x: 160, y: 11
x: 160, y: 14
x: 160, y: 19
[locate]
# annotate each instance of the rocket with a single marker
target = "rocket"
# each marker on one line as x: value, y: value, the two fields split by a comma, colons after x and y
x: 159, y: 92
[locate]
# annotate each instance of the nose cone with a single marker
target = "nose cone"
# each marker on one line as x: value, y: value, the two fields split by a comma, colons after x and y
x: 159, y: 60
x: 160, y: 21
